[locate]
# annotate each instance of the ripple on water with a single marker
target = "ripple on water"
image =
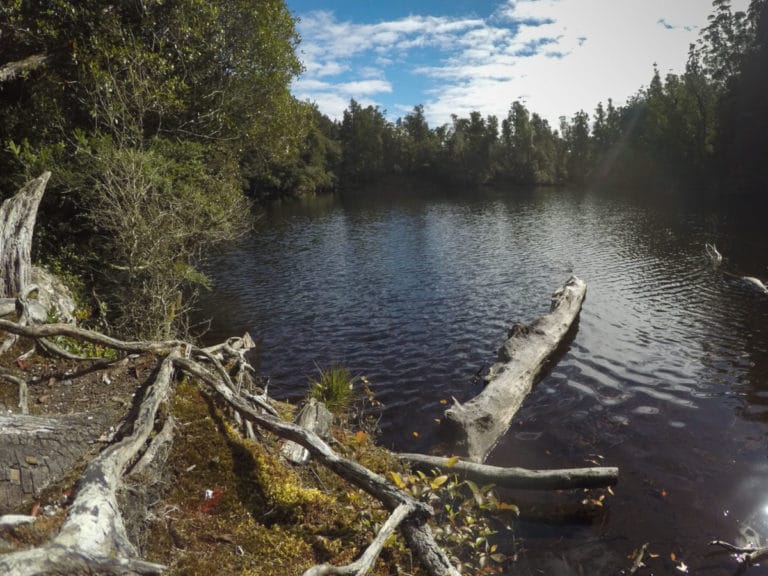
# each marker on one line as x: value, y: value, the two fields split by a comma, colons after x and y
x: 418, y: 296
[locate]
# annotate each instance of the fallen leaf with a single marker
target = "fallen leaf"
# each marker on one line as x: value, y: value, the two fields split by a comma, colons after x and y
x: 451, y: 461
x: 397, y: 479
x: 360, y: 436
x: 663, y: 493
x: 443, y: 401
x: 672, y: 557
x: 415, y: 434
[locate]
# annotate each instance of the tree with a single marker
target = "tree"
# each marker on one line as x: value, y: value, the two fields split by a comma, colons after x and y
x: 150, y: 110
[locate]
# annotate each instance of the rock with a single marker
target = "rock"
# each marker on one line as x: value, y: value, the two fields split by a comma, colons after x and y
x: 54, y: 297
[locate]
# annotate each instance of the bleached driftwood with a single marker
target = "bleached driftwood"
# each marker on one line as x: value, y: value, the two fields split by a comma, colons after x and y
x: 745, y: 555
x: 17, y: 225
x: 518, y: 478
x: 478, y: 424
x: 313, y: 416
x: 365, y: 563
x: 713, y: 254
x: 93, y: 538
x: 12, y: 70
x: 755, y: 284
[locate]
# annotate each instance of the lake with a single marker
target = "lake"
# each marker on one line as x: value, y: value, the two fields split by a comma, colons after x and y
x: 666, y: 376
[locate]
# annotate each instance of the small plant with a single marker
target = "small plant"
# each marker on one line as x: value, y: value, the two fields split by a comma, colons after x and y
x: 334, y: 388
x: 462, y: 521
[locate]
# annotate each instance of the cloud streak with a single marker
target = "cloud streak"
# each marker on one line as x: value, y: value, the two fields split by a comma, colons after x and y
x: 563, y: 55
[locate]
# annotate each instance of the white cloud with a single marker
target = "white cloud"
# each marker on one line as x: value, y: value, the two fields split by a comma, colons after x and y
x: 563, y: 55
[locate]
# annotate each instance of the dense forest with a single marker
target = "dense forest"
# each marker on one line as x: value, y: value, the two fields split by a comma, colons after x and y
x: 707, y: 124
x: 161, y: 120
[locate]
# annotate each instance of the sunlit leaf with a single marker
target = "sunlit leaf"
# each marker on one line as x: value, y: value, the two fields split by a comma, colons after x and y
x: 510, y: 507
x: 439, y: 481
x: 397, y: 479
x: 360, y: 436
x: 451, y: 461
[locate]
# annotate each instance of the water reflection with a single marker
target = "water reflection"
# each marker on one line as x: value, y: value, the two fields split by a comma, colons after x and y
x: 667, y: 376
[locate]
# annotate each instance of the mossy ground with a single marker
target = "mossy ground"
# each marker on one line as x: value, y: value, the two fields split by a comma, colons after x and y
x: 261, y: 517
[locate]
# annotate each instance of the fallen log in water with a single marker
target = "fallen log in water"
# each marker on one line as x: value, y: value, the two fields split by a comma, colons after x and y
x: 518, y: 478
x: 478, y: 424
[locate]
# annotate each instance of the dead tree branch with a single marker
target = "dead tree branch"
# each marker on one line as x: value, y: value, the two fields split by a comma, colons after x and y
x: 744, y: 554
x: 518, y: 478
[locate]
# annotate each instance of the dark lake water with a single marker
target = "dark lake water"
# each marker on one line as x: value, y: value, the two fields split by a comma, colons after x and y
x: 666, y: 377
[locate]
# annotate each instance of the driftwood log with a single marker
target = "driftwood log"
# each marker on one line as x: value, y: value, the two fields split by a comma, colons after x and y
x: 478, y: 424
x: 313, y: 416
x: 517, y: 478
x: 93, y: 538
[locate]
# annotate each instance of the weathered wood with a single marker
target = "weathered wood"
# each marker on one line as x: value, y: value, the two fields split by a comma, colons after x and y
x: 478, y: 424
x: 713, y: 254
x: 415, y: 529
x: 38, y: 450
x: 93, y: 538
x: 755, y: 284
x: 313, y: 416
x: 12, y: 70
x: 518, y: 478
x: 94, y: 529
x: 364, y: 564
x: 17, y: 225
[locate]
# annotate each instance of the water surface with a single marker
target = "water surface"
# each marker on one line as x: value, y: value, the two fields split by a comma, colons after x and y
x: 666, y: 376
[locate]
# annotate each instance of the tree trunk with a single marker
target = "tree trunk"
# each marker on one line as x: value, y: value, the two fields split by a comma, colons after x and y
x: 478, y: 424
x: 37, y: 450
x: 17, y: 224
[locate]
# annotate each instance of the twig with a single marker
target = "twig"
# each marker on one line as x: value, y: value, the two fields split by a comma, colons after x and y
x: 365, y: 563
x: 745, y: 554
x: 637, y: 561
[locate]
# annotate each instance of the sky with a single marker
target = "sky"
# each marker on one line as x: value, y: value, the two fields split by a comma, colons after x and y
x: 457, y: 56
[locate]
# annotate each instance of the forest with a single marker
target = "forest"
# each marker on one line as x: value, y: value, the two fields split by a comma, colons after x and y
x: 154, y: 127
x: 174, y: 116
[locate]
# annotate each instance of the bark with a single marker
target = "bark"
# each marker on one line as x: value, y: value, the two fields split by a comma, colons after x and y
x: 38, y: 450
x: 518, y: 478
x: 17, y: 224
x: 364, y: 564
x: 12, y: 70
x: 313, y: 416
x: 478, y: 424
x: 416, y: 531
x: 93, y: 536
x: 745, y: 555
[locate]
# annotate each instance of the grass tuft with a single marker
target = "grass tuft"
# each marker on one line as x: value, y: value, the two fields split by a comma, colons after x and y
x: 334, y: 388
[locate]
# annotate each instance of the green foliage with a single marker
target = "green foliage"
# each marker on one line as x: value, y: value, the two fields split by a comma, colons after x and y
x: 334, y: 387
x: 145, y: 113
x: 462, y: 521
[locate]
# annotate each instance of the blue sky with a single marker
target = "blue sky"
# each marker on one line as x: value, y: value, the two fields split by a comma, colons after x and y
x: 456, y: 56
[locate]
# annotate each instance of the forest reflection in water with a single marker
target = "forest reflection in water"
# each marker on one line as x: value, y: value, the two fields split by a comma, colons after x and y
x: 666, y: 377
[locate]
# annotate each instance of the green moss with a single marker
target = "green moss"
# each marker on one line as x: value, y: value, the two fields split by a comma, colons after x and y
x: 264, y: 519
